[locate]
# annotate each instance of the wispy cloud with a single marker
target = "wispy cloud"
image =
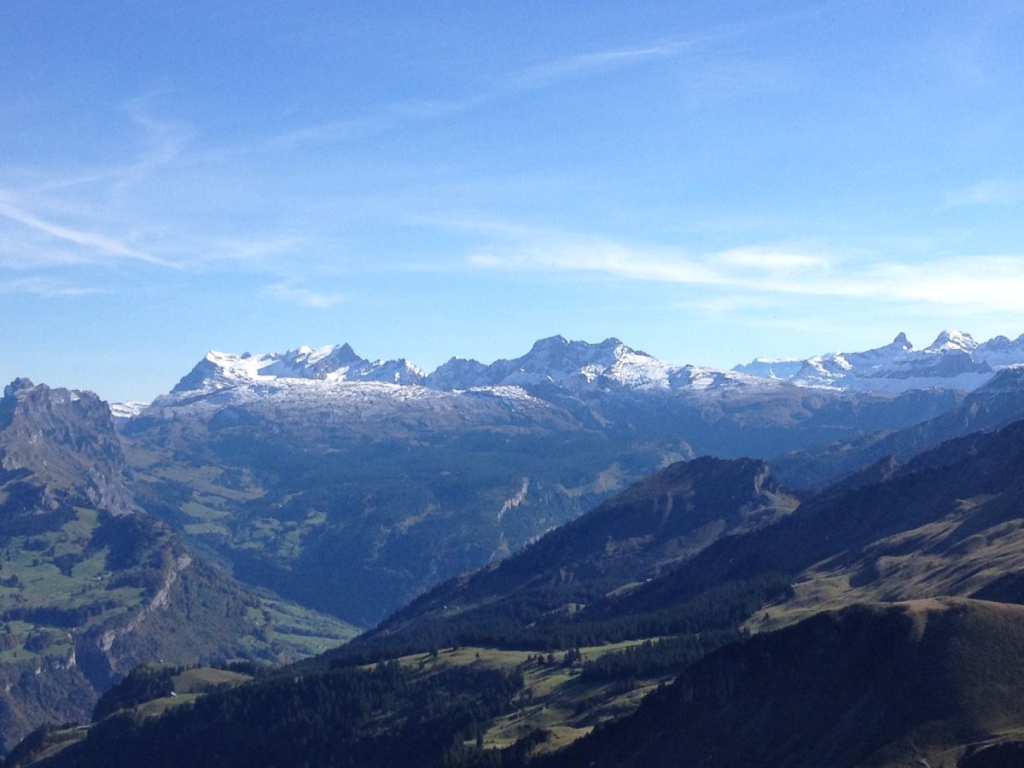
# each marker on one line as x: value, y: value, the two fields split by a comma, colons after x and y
x: 44, y: 287
x: 765, y: 259
x: 386, y: 118
x: 343, y: 129
x: 303, y: 296
x: 394, y: 115
x: 61, y: 220
x: 162, y: 141
x: 589, y: 254
x: 589, y: 63
x: 196, y: 251
x: 988, y: 283
x: 601, y: 256
x: 96, y: 242
x: 731, y: 303
x: 989, y: 192
x: 91, y: 216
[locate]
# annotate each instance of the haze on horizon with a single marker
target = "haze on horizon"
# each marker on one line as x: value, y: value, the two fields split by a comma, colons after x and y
x: 709, y: 182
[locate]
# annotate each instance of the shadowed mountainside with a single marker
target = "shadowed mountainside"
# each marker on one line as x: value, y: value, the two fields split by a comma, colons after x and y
x: 872, y: 685
x: 633, y: 537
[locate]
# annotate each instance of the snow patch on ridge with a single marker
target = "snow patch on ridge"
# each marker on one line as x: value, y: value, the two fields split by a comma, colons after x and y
x: 127, y: 409
x: 953, y: 361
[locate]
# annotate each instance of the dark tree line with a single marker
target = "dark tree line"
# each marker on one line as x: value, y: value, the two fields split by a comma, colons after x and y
x: 346, y: 717
x: 526, y: 622
x: 655, y: 659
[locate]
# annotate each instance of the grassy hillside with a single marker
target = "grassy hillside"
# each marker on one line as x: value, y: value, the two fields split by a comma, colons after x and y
x: 933, y: 682
x: 947, y: 523
x: 85, y: 601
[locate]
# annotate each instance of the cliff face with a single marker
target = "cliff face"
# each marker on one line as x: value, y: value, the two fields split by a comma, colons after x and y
x: 66, y: 441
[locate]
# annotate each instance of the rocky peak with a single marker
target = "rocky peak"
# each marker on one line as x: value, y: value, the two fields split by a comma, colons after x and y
x: 66, y: 440
x: 550, y: 344
x: 399, y: 371
x: 459, y: 373
x: 953, y: 341
x: 902, y: 342
x: 308, y: 363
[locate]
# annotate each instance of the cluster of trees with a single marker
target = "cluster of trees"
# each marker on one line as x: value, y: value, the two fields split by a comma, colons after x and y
x: 655, y: 659
x: 386, y: 715
x: 530, y: 621
x: 515, y: 756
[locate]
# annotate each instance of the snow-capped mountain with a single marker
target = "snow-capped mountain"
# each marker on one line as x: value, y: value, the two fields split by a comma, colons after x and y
x: 1000, y: 352
x: 574, y: 366
x: 558, y: 385
x: 953, y: 361
x: 771, y: 368
x: 220, y: 370
x: 338, y: 374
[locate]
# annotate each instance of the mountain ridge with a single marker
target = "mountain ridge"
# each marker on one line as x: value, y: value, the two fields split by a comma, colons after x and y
x: 953, y: 360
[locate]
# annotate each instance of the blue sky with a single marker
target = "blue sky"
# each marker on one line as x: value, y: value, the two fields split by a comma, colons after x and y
x: 707, y: 181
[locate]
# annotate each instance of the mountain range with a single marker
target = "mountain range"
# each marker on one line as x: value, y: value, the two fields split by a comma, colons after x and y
x: 954, y: 360
x: 643, y: 521
x: 283, y: 465
x: 277, y: 461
